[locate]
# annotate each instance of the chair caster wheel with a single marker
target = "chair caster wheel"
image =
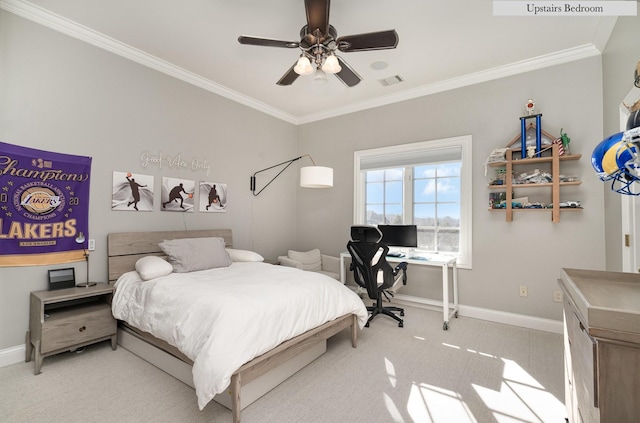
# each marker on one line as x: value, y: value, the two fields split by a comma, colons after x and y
x: 402, y: 313
x: 366, y: 325
x: 400, y: 325
x: 445, y: 326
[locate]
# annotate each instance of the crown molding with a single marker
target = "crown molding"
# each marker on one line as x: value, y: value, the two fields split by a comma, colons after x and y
x: 535, y: 63
x: 603, y: 31
x: 73, y: 29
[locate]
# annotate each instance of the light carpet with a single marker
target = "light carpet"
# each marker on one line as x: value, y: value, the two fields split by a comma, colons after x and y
x: 476, y: 371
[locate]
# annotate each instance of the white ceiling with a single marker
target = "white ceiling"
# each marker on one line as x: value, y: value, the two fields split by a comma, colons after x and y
x: 443, y: 44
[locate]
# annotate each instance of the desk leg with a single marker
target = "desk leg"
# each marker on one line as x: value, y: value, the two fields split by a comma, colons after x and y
x: 455, y: 289
x: 445, y: 296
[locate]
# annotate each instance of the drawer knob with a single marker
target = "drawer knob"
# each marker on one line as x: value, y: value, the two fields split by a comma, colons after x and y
x: 82, y: 328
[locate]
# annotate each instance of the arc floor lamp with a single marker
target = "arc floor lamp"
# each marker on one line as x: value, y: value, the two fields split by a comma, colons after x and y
x: 310, y: 176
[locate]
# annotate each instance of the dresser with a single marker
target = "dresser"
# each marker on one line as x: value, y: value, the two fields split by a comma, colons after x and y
x: 601, y: 345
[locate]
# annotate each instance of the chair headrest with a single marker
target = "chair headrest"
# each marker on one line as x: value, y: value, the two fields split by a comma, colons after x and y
x: 365, y: 233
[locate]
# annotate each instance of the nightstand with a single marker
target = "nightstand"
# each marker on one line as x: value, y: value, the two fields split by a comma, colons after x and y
x: 66, y: 319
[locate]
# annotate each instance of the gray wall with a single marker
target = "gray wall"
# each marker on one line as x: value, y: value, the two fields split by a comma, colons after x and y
x: 531, y: 250
x: 618, y: 62
x: 60, y: 94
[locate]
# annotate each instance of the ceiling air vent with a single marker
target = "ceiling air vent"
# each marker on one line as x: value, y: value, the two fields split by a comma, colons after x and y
x: 392, y: 80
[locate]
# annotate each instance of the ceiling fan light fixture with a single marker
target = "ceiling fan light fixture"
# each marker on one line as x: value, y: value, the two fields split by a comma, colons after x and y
x: 320, y: 77
x: 303, y: 66
x: 331, y: 64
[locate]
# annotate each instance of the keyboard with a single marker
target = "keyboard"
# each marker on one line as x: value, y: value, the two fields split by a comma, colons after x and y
x: 395, y: 254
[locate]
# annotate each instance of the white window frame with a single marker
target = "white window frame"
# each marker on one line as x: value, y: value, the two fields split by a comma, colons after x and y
x: 464, y: 142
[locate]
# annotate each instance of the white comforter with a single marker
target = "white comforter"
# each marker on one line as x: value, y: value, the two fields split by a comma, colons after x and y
x: 221, y: 318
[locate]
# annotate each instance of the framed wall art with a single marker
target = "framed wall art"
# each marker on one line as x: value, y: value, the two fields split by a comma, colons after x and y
x: 213, y: 197
x: 177, y: 195
x: 132, y: 192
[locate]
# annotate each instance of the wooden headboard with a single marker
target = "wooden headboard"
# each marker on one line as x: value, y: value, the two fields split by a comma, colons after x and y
x: 125, y: 248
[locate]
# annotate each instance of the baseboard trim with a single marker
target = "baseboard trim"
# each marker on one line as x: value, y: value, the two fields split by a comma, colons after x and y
x: 14, y: 355
x: 514, y: 319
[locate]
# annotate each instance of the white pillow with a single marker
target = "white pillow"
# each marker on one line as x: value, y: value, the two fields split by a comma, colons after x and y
x: 193, y: 254
x: 311, y: 260
x: 151, y: 267
x: 244, y: 255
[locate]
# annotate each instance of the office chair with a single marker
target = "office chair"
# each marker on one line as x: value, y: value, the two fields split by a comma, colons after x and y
x: 372, y: 272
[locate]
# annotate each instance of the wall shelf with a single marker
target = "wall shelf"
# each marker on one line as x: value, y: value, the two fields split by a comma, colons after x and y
x: 553, y: 161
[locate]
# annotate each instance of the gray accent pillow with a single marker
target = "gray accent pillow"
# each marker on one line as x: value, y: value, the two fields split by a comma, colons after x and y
x: 311, y: 260
x: 193, y: 254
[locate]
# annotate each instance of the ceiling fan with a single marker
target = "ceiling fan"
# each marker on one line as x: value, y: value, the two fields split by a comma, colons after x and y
x: 319, y: 42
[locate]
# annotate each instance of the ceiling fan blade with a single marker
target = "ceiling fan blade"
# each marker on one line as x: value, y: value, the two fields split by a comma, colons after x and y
x: 317, y: 15
x: 370, y: 41
x: 347, y: 74
x: 266, y: 42
x: 289, y: 77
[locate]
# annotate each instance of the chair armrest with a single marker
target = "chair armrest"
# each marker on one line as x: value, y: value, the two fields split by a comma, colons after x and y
x: 400, y: 266
x: 330, y: 263
x: 286, y: 261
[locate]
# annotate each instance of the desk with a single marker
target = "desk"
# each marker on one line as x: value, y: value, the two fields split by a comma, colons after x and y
x: 443, y: 262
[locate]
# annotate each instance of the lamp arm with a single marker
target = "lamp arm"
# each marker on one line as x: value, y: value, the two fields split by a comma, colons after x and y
x: 288, y: 163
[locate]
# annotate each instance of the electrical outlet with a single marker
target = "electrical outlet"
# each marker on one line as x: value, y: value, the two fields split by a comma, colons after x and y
x: 557, y: 296
x: 523, y: 291
x: 92, y: 244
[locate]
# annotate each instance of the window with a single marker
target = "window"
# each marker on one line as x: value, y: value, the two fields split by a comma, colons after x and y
x: 427, y: 184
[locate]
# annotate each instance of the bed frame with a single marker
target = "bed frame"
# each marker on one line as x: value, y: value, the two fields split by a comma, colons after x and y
x: 251, y: 380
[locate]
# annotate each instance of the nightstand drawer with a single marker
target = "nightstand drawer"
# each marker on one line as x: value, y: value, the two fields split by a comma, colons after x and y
x: 76, y: 325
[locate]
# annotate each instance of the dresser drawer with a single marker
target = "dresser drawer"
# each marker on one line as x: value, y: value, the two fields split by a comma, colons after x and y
x: 76, y: 325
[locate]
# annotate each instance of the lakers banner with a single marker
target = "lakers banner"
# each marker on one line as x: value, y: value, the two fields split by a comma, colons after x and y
x: 44, y: 206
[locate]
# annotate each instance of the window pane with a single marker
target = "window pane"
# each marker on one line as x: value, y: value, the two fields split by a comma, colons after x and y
x: 375, y: 193
x: 426, y: 239
x: 424, y: 190
x: 449, y: 241
x: 374, y: 215
x: 393, y: 192
x: 424, y: 215
x: 427, y: 171
x: 375, y: 176
x: 449, y: 169
x: 393, y: 214
x: 395, y: 174
x: 448, y: 189
x: 449, y: 215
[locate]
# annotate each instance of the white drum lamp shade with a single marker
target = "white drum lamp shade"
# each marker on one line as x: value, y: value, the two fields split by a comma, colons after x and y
x: 316, y: 177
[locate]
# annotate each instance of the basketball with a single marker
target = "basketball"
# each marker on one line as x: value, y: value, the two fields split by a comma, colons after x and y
x: 190, y: 195
x: 128, y: 175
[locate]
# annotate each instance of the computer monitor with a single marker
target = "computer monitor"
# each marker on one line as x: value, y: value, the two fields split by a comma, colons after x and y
x: 399, y: 235
x: 365, y: 233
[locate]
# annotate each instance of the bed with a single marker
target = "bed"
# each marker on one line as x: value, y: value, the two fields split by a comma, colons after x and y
x: 230, y: 369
